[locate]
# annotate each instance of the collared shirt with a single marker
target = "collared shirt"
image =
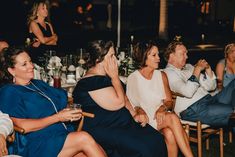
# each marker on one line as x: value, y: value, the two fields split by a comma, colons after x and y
x: 193, y: 91
x: 6, y: 125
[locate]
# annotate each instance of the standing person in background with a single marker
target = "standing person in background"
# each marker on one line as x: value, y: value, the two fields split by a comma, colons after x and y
x: 225, y: 69
x: 148, y: 90
x: 6, y: 128
x: 42, y: 35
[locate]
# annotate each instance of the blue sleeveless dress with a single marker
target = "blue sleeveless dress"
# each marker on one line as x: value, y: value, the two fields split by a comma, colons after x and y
x: 116, y: 131
x: 227, y: 78
x: 20, y: 102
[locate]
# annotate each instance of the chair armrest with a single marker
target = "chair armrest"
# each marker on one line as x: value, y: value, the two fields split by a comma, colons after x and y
x: 84, y: 114
x: 87, y: 114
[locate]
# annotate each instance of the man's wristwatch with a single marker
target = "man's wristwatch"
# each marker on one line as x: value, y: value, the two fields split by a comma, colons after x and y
x: 193, y: 78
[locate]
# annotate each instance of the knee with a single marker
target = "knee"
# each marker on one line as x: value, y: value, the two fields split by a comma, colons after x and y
x: 83, y: 138
x: 173, y: 119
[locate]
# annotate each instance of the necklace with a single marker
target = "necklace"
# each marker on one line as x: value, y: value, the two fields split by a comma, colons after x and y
x: 39, y: 91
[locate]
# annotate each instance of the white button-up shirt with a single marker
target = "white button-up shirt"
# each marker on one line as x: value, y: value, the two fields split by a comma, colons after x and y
x: 6, y: 125
x: 193, y: 91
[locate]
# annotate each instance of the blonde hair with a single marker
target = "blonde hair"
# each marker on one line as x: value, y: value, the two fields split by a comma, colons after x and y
x: 33, y: 12
x: 228, y: 49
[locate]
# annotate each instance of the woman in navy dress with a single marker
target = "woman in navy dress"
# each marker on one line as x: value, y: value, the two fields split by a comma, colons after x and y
x: 40, y: 110
x: 41, y: 32
x: 113, y: 127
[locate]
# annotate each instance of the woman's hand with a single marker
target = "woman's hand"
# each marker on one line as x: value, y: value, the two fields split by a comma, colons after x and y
x: 111, y: 66
x: 141, y: 117
x: 160, y: 116
x: 69, y: 115
x: 3, y: 146
x: 36, y: 43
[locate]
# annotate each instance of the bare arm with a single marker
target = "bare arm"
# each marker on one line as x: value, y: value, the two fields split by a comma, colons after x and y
x: 129, y: 107
x: 167, y: 102
x: 110, y: 98
x: 107, y: 98
x: 220, y: 74
x: 30, y: 125
x: 38, y: 33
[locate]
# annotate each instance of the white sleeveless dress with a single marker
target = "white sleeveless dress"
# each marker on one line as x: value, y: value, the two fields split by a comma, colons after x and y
x: 148, y: 94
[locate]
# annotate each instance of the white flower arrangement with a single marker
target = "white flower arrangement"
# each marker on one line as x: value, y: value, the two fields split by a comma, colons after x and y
x: 126, y: 64
x: 54, y: 65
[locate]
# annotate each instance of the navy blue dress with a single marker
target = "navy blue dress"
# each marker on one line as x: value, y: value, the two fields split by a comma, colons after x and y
x: 116, y: 131
x: 37, y: 53
x: 20, y: 102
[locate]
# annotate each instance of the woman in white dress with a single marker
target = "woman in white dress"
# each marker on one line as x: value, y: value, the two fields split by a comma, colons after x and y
x: 149, y: 93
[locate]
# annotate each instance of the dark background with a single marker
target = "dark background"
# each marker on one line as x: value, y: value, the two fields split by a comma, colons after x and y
x: 139, y: 18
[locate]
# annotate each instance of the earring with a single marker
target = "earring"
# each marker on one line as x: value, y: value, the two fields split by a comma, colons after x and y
x: 14, y: 79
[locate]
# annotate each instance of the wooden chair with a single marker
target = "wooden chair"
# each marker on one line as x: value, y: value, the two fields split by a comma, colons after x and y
x: 230, y: 136
x: 84, y: 114
x: 201, y: 132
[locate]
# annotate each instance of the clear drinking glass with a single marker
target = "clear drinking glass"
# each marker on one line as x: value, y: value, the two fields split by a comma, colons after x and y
x: 75, y: 106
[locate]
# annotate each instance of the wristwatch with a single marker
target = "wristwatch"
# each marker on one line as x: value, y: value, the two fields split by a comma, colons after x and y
x: 193, y: 78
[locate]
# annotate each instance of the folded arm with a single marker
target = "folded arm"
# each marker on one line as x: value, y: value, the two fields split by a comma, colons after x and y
x: 52, y: 40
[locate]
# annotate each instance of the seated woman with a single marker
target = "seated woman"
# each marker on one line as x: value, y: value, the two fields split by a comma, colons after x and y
x: 6, y: 128
x: 40, y: 110
x: 148, y: 90
x: 101, y: 92
x: 225, y: 69
x: 41, y: 32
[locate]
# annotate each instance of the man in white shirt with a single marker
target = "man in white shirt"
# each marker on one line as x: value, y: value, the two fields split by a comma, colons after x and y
x: 6, y: 127
x: 194, y: 83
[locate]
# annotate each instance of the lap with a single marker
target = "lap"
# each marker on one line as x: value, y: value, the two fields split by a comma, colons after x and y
x: 213, y: 113
x: 131, y: 140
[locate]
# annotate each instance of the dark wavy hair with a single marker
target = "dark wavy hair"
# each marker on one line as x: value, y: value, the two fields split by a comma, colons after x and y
x: 141, y: 52
x: 97, y: 50
x: 171, y: 49
x: 7, y: 60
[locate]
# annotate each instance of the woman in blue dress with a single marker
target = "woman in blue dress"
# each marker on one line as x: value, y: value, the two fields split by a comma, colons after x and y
x: 114, y: 128
x: 225, y: 68
x: 40, y: 110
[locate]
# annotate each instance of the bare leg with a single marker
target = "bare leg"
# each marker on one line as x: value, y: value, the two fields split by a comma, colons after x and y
x: 171, y: 144
x: 172, y: 121
x: 80, y: 142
